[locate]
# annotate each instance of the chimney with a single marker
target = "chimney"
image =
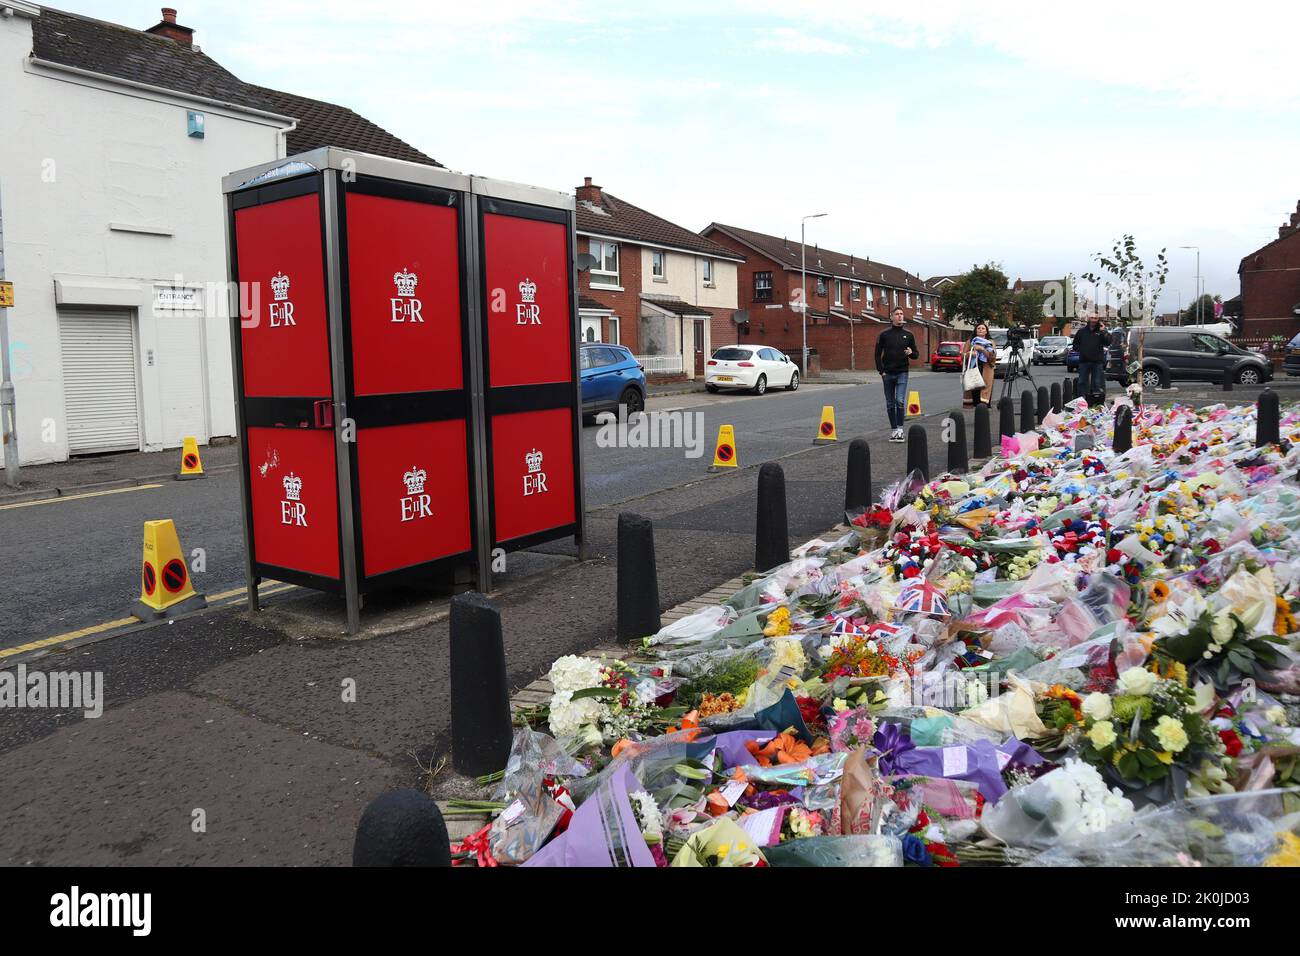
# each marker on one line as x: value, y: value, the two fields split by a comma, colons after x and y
x: 588, y: 192
x: 169, y: 28
x: 1285, y: 230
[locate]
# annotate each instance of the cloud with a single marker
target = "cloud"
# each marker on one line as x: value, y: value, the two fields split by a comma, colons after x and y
x: 790, y: 40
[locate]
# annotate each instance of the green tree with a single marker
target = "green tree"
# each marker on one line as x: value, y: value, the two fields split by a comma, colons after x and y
x: 1027, y: 308
x: 979, y: 295
x: 1188, y: 315
x: 1127, y: 279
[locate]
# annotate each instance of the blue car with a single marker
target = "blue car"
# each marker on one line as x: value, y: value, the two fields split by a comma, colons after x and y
x: 1072, y: 360
x: 611, y: 376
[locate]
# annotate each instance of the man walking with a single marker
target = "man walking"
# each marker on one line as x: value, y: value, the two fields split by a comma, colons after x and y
x: 895, y: 347
x: 1091, y: 342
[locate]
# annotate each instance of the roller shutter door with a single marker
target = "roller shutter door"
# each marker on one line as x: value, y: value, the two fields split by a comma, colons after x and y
x: 100, y: 382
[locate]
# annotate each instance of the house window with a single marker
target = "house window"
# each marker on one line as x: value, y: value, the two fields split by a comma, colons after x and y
x: 871, y: 298
x: 908, y: 298
x: 762, y: 287
x: 707, y: 271
x: 613, y: 329
x: 821, y: 286
x: 839, y: 292
x: 605, y: 271
x: 657, y: 264
x: 895, y: 297
x: 855, y: 292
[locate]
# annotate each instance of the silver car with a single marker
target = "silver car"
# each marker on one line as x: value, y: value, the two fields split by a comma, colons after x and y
x: 1051, y: 350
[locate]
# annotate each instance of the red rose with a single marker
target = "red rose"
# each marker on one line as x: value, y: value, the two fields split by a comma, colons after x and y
x: 1114, y: 556
x: 1231, y: 742
x: 911, y: 572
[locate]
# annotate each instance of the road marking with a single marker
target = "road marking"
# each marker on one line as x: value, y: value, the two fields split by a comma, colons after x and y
x: 88, y: 494
x: 70, y: 636
x: 267, y: 591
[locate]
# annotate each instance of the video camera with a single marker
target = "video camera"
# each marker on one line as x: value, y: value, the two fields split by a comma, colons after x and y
x: 1016, y: 339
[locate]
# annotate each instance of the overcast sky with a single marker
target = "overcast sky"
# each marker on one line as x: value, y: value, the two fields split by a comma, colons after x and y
x: 937, y: 134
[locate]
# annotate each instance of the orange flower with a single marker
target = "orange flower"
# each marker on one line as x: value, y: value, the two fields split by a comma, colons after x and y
x: 786, y: 748
x: 619, y: 747
x: 1159, y: 591
x: 717, y: 804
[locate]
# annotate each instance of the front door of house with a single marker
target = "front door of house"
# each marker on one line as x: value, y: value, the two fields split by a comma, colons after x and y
x: 699, y: 347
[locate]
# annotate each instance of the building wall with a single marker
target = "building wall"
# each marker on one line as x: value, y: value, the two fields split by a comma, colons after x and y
x: 626, y: 299
x: 683, y: 278
x: 101, y: 187
x: 1270, y: 288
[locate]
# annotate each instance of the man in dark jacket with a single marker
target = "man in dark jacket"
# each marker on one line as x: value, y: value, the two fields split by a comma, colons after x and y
x: 895, y: 348
x: 1091, y: 342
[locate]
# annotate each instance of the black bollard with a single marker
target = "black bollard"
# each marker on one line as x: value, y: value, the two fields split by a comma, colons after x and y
x: 402, y: 828
x: 983, y: 443
x: 1027, y: 412
x: 1043, y: 407
x: 638, y: 582
x: 857, y: 489
x: 1268, y: 430
x: 1227, y: 380
x: 1006, y: 416
x: 918, y: 451
x: 1123, y: 430
x: 1057, y: 403
x: 480, y: 699
x: 772, y: 536
x: 1067, y: 392
x: 955, y: 432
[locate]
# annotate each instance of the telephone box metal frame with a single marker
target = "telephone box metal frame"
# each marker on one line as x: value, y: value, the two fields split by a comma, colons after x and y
x: 333, y: 173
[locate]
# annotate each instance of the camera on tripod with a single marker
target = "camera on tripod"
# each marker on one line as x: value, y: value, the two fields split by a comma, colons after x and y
x: 1016, y: 339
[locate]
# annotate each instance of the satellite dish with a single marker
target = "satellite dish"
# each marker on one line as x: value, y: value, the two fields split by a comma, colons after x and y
x: 740, y: 316
x: 586, y: 261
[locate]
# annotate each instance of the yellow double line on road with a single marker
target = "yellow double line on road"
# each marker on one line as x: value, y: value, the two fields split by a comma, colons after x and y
x: 213, y: 599
x: 87, y: 494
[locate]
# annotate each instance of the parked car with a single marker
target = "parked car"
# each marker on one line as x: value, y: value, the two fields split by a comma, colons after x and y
x: 1291, y: 363
x: 947, y: 355
x: 752, y: 367
x: 610, y: 376
x: 1186, y: 355
x: 1000, y: 339
x: 1051, y: 350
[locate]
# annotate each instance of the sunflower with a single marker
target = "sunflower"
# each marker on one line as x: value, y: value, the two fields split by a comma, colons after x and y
x: 1159, y: 591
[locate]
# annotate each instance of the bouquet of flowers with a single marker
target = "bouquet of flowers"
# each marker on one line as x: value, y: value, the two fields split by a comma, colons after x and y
x: 1149, y: 727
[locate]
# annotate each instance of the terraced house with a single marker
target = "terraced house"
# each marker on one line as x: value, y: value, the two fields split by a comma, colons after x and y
x: 849, y: 300
x: 114, y: 146
x: 653, y: 286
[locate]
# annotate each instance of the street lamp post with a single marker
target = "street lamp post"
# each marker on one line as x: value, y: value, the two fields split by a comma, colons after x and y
x: 803, y: 304
x: 1198, y: 283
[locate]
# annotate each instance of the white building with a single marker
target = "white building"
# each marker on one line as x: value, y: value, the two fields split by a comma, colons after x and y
x: 115, y: 141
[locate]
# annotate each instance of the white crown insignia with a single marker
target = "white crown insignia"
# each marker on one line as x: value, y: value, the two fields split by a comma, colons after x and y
x: 415, y: 479
x: 292, y: 486
x: 405, y: 282
x: 534, y: 461
x: 528, y: 289
x: 280, y: 286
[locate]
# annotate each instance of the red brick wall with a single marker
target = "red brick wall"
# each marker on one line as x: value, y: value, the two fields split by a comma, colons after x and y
x: 626, y: 304
x: 1270, y: 288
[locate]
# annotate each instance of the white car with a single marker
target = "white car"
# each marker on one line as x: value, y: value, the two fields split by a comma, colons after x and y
x: 753, y: 367
x: 1000, y: 340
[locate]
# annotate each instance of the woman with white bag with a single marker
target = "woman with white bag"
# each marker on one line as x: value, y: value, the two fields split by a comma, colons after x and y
x: 978, y: 375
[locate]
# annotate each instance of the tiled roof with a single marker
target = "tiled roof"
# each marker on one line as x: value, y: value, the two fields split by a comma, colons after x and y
x: 129, y: 54
x: 125, y: 53
x: 822, y: 261
x: 619, y: 219
x: 325, y: 124
x: 674, y: 304
x: 592, y: 305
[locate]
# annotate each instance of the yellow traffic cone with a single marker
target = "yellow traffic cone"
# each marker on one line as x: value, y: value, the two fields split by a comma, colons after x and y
x: 724, y: 452
x: 826, y: 430
x: 165, y: 586
x: 913, y: 403
x: 191, y: 463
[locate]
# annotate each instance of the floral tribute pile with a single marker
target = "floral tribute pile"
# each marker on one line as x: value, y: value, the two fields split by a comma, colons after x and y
x: 1070, y: 657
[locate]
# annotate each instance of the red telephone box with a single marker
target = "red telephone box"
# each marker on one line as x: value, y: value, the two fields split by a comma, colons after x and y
x: 405, y: 355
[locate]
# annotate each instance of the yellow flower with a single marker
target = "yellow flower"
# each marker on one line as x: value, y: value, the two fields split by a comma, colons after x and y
x: 1164, y: 756
x: 840, y: 705
x: 1102, y: 734
x: 1289, y: 854
x: 1171, y: 734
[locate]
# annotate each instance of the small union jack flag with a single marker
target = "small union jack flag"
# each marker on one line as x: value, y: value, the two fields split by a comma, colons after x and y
x: 921, y: 597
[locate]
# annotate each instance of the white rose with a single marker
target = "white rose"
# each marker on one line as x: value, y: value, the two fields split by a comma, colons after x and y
x: 1137, y: 681
x: 1097, y: 706
x: 1276, y: 716
x: 1222, y: 628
